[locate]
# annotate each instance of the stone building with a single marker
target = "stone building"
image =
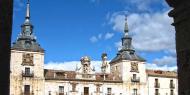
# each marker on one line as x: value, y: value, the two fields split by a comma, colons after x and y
x: 126, y: 74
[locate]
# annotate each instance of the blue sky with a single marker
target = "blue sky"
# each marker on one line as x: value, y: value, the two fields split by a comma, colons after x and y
x: 70, y: 29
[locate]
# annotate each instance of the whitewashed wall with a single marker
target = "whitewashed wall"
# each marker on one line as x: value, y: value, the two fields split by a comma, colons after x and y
x: 164, y: 85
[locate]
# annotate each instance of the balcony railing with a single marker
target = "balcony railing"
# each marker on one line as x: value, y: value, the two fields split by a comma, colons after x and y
x: 86, y: 75
x: 61, y: 93
x: 25, y: 93
x: 157, y: 85
x: 135, y: 94
x: 172, y: 86
x: 109, y: 94
x: 27, y: 74
x: 136, y: 79
x: 157, y: 94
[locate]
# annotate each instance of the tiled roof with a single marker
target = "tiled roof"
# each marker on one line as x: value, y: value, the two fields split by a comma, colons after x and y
x: 160, y: 73
x: 59, y: 74
x: 108, y: 77
x: 71, y: 76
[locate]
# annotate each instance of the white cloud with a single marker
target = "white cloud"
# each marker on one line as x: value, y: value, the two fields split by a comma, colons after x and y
x: 105, y: 36
x: 71, y: 65
x: 144, y: 5
x: 165, y: 60
x: 93, y: 39
x: 99, y: 36
x: 151, y: 32
x: 118, y: 45
x: 109, y: 35
x: 118, y: 22
x: 164, y: 67
x: 18, y: 5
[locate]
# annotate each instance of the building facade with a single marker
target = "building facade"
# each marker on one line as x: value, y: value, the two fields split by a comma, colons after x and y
x: 126, y: 74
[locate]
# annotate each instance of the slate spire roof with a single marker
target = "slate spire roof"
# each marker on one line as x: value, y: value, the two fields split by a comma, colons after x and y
x: 127, y: 51
x: 26, y: 41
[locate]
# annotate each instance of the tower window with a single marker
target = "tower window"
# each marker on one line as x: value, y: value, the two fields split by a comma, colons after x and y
x: 27, y: 71
x: 135, y: 91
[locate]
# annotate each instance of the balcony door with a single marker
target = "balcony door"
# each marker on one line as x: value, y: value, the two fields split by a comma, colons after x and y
x: 134, y: 91
x: 86, y: 90
x: 26, y: 89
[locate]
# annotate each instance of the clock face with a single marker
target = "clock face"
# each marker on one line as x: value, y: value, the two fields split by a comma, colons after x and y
x: 134, y: 67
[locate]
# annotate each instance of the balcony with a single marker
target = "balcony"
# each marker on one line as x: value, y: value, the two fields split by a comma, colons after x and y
x: 135, y: 79
x: 172, y: 86
x: 27, y: 74
x: 157, y: 85
x: 61, y: 94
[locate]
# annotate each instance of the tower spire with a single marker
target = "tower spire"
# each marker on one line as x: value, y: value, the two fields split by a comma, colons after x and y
x: 27, y: 18
x: 127, y: 51
x: 126, y: 40
x: 126, y: 29
x: 26, y: 40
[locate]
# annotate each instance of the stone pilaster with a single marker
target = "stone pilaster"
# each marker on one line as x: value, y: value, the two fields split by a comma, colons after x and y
x: 181, y: 15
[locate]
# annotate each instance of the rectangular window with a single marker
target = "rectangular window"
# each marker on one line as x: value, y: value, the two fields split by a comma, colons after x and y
x: 172, y: 85
x: 134, y: 76
x: 116, y: 68
x: 86, y: 90
x: 61, y: 90
x: 171, y: 92
x: 134, y: 91
x: 109, y: 91
x: 27, y: 71
x: 26, y: 89
x: 98, y: 88
x: 156, y: 80
x: 73, y: 87
x: 157, y: 84
x: 156, y: 92
x: 171, y: 81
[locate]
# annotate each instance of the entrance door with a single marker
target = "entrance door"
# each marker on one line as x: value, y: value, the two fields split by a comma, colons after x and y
x: 86, y: 90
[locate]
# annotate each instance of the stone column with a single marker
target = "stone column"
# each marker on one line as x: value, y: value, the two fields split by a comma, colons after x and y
x: 181, y: 16
x: 6, y: 12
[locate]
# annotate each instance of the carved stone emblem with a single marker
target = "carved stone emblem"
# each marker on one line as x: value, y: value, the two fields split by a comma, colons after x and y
x: 134, y: 67
x: 27, y: 59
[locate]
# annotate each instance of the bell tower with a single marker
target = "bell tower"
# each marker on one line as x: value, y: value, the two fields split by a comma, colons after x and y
x: 27, y: 61
x: 129, y: 66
